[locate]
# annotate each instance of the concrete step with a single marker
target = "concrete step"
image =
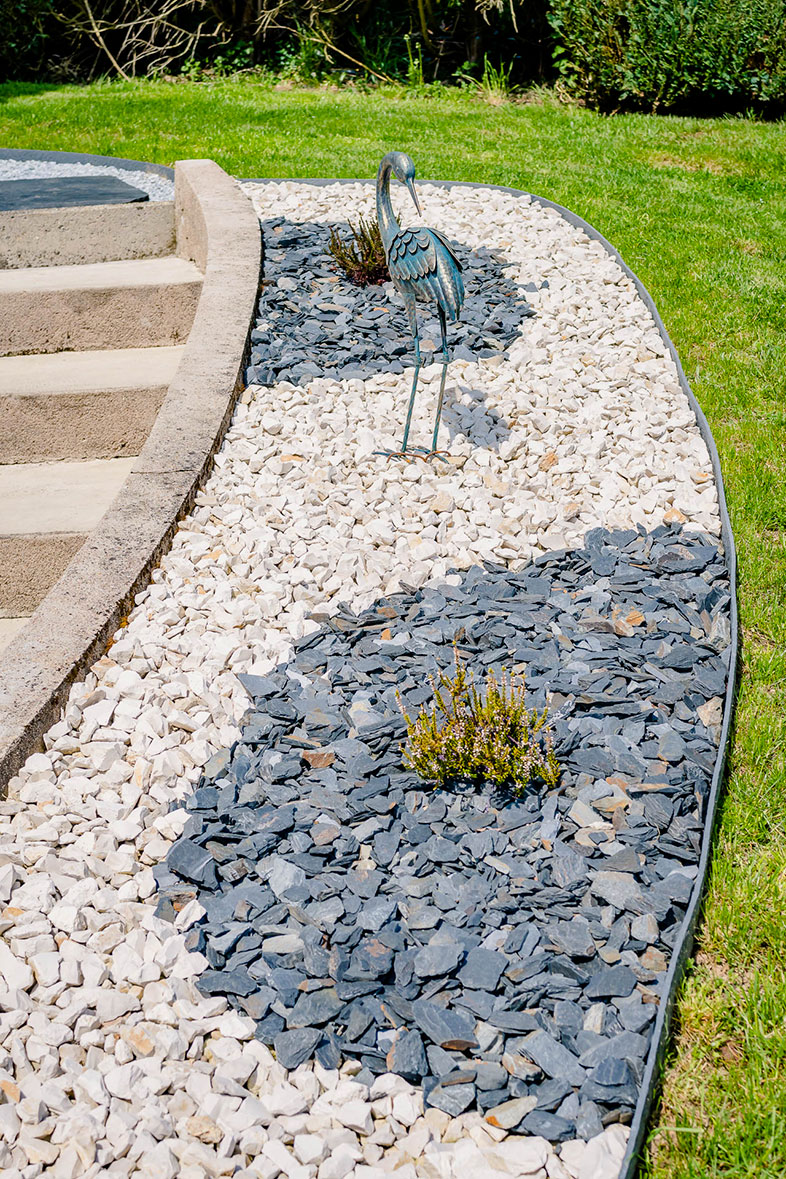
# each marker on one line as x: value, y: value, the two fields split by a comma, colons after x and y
x: 82, y: 405
x: 58, y: 497
x: 139, y: 303
x: 8, y: 628
x: 46, y: 510
x: 90, y: 233
x: 30, y: 566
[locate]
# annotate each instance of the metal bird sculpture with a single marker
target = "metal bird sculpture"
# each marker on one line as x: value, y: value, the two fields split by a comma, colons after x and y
x: 424, y: 269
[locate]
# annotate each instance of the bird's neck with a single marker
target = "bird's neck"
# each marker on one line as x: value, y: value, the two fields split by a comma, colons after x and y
x: 388, y: 225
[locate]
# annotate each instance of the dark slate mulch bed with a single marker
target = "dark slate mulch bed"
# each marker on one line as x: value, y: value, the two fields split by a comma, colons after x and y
x: 314, y: 322
x: 495, y: 949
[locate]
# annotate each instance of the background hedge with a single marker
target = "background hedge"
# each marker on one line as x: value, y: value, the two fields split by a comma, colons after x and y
x: 698, y: 56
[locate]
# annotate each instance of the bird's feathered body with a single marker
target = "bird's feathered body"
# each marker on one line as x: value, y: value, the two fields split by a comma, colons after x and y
x: 424, y: 269
x: 422, y: 264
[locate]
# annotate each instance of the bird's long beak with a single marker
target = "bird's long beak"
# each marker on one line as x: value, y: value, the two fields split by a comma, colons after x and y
x: 411, y: 186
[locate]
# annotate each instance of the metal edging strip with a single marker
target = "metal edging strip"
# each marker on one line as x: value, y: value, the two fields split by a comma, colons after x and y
x: 684, y: 944
x: 76, y: 157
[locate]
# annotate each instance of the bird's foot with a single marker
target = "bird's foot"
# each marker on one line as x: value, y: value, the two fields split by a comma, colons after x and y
x: 414, y: 452
x: 409, y: 455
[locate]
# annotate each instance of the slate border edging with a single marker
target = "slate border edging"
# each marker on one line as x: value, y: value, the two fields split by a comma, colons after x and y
x: 219, y: 230
x: 682, y: 948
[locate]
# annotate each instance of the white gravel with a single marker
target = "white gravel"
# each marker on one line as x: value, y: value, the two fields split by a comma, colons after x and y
x: 158, y: 188
x: 111, y: 1063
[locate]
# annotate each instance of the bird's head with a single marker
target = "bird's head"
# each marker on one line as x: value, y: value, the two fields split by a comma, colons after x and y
x: 404, y: 170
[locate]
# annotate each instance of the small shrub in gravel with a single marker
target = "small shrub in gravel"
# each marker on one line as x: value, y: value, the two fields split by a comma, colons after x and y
x: 486, y: 736
x: 362, y: 256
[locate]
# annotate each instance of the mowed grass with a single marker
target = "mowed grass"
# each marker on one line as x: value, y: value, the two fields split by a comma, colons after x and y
x: 696, y: 208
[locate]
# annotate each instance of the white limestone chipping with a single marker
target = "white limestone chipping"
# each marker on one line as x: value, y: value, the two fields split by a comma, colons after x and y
x: 111, y: 1062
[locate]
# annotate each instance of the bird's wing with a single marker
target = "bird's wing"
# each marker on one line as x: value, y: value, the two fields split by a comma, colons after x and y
x: 418, y: 266
x: 412, y: 254
x: 447, y: 246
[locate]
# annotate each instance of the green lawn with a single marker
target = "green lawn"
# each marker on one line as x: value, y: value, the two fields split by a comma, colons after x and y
x: 697, y: 209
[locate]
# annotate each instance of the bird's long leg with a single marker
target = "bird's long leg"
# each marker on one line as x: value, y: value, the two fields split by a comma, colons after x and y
x: 414, y: 451
x: 412, y: 316
x: 445, y: 359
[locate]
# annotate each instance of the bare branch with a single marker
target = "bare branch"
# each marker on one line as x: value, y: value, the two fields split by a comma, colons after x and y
x: 102, y: 42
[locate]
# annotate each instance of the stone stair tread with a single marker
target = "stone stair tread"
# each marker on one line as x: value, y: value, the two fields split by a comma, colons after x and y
x: 8, y: 628
x: 97, y: 276
x: 87, y: 233
x: 60, y: 497
x: 97, y: 371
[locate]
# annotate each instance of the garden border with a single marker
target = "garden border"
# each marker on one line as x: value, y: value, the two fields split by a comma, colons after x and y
x: 682, y: 948
x: 169, y: 472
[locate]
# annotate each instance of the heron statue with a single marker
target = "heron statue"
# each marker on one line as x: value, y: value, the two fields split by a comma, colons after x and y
x: 424, y: 269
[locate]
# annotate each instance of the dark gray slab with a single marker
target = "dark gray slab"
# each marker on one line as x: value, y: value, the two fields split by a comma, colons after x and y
x: 60, y: 192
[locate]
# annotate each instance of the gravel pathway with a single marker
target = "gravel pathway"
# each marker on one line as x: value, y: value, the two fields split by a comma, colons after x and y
x: 159, y: 188
x: 112, y: 1061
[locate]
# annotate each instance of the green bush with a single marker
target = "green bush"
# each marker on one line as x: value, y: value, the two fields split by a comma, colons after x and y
x: 481, y: 736
x: 25, y: 26
x: 706, y: 55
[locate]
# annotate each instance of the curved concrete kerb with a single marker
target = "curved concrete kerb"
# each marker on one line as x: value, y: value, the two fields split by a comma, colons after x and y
x: 218, y: 230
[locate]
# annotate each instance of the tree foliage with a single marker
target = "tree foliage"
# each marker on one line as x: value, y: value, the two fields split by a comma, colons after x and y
x: 367, y: 38
x: 25, y: 43
x: 703, y: 56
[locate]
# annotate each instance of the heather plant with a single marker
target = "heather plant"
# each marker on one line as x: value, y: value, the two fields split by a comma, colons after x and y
x: 482, y: 735
x: 362, y: 256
